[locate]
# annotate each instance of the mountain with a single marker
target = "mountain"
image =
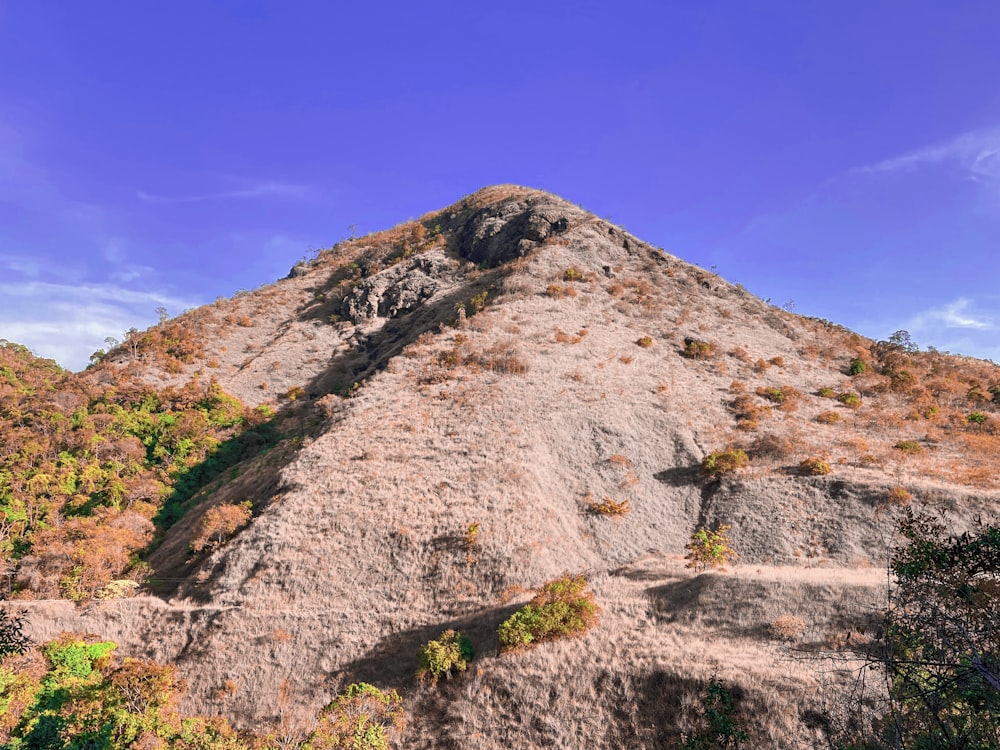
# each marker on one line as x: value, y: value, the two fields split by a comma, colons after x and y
x: 423, y: 425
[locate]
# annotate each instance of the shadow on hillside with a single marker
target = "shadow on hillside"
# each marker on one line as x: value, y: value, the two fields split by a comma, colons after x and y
x: 679, y: 476
x: 295, y: 422
x: 664, y: 707
x: 393, y: 660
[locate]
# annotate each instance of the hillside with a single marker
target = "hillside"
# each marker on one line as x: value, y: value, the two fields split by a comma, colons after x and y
x: 426, y: 417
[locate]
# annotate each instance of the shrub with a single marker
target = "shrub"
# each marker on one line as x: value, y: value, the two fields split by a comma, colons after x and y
x: 976, y: 417
x: 645, y: 342
x: 361, y: 718
x: 220, y: 523
x: 452, y: 651
x: 721, y: 730
x: 723, y: 462
x: 709, y: 548
x: 814, y: 466
x: 771, y: 446
x: 609, y: 507
x: 572, y: 274
x: 857, y: 366
x: 787, y: 628
x: 899, y: 496
x: 908, y: 446
x: 695, y: 349
x: 562, y: 608
x: 774, y: 395
x: 826, y: 393
x: 12, y: 637
x: 828, y: 417
x: 850, y: 399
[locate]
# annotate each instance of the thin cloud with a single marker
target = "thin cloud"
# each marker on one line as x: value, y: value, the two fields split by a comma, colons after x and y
x: 976, y: 152
x: 943, y: 320
x: 68, y: 322
x: 261, y: 190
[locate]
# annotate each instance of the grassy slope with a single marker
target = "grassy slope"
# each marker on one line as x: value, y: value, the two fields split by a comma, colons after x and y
x: 358, y: 554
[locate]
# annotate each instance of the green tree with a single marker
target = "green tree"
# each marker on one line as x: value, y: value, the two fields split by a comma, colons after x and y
x: 940, y: 651
x: 709, y: 549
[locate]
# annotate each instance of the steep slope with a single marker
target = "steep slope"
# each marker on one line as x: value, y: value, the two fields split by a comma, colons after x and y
x: 506, y: 363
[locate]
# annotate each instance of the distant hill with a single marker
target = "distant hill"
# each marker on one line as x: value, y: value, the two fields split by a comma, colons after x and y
x: 418, y: 427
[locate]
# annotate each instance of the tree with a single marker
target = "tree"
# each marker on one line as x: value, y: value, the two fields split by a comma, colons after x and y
x: 709, y: 549
x: 12, y: 637
x: 940, y: 651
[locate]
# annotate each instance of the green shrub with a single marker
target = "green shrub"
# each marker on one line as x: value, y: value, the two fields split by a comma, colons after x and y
x: 857, y: 366
x: 774, y: 395
x: 977, y: 417
x: 645, y: 342
x: 826, y: 393
x: 722, y: 462
x: 452, y: 651
x: 709, y: 549
x: 813, y: 466
x: 695, y: 349
x: 361, y: 718
x: 561, y: 608
x: 850, y: 399
x: 908, y: 446
x: 721, y: 731
x: 12, y: 637
x: 572, y: 274
x: 75, y: 657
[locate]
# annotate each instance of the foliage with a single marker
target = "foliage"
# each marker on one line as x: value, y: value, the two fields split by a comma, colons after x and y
x: 572, y: 274
x: 828, y: 417
x: 721, y: 732
x: 89, y: 463
x: 452, y: 651
x: 940, y: 651
x: 645, y: 342
x: 976, y: 417
x: 850, y: 399
x: 695, y: 349
x: 220, y: 523
x: 12, y: 637
x: 360, y: 718
x: 609, y: 507
x: 908, y: 446
x: 709, y: 549
x: 563, y: 607
x: 814, y: 466
x: 857, y: 366
x: 723, y: 462
x: 83, y: 697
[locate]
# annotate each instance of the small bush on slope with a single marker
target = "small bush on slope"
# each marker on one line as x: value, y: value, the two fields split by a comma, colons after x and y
x: 709, y: 549
x: 361, y: 718
x: 562, y: 608
x: 452, y: 651
x: 723, y: 462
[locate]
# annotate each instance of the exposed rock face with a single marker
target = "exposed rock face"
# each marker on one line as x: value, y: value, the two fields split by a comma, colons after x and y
x: 397, y: 290
x: 498, y: 234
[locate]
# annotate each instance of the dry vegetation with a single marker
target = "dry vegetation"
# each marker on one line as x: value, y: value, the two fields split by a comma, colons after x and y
x: 507, y: 359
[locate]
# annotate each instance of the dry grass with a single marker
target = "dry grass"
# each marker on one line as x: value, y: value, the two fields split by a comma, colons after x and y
x: 365, y: 556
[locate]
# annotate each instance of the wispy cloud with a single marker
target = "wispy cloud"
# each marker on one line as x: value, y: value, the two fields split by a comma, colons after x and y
x: 956, y: 314
x: 976, y: 152
x: 258, y: 190
x: 68, y: 322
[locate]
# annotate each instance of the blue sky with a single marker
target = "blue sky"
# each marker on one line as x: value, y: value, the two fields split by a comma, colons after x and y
x: 844, y: 156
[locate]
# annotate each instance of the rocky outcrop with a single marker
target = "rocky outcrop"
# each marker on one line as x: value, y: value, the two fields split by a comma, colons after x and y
x: 396, y: 290
x: 502, y: 232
